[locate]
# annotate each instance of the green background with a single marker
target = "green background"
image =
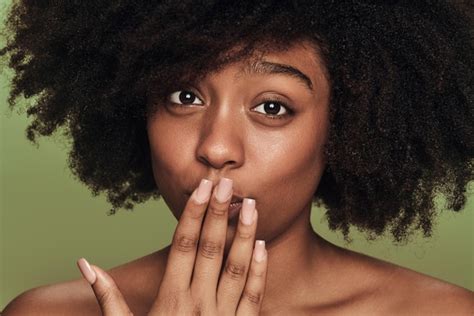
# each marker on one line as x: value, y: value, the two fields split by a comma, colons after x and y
x: 48, y: 220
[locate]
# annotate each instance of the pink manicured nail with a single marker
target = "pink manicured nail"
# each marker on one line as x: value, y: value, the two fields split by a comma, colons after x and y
x: 86, y: 270
x: 248, y: 211
x: 224, y: 190
x: 259, y: 251
x: 204, y: 191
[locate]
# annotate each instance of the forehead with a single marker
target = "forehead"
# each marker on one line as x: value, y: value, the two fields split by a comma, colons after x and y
x: 301, y: 61
x: 303, y: 55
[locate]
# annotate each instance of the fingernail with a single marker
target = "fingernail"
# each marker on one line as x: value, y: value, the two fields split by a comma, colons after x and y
x: 224, y: 190
x: 259, y: 252
x: 204, y: 191
x: 248, y: 211
x: 86, y: 270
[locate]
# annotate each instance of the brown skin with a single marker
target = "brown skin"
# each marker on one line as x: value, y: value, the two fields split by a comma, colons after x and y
x: 225, y: 138
x: 279, y: 164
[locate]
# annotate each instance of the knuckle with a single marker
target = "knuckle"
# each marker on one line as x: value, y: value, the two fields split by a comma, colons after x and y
x: 195, y: 211
x: 235, y: 271
x: 185, y: 243
x: 218, y: 210
x: 105, y: 297
x: 196, y: 310
x: 172, y: 299
x: 252, y: 297
x: 257, y: 272
x: 245, y: 234
x: 210, y: 249
x: 172, y: 302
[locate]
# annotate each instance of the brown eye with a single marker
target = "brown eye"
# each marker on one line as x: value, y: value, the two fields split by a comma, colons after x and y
x: 272, y: 108
x: 184, y: 97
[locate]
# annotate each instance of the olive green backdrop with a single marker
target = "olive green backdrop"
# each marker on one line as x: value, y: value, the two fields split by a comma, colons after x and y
x: 48, y: 220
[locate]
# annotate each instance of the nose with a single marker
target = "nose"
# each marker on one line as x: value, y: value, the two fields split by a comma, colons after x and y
x: 221, y: 139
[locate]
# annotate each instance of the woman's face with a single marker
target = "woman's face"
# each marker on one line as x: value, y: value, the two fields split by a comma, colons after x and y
x: 261, y: 122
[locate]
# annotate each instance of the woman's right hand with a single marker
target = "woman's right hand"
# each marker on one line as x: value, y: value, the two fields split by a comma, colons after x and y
x: 193, y: 283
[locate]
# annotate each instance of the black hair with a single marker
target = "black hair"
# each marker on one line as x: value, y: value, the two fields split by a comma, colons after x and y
x: 401, y: 105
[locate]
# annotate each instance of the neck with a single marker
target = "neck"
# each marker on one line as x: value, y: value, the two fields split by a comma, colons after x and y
x: 295, y: 260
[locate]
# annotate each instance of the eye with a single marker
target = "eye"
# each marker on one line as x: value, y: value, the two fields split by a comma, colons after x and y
x: 273, y: 109
x: 184, y: 97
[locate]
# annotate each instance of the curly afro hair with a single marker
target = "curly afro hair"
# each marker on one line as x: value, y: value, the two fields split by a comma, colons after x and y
x: 401, y: 107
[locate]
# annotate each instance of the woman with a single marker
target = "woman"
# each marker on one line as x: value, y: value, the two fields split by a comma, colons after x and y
x: 241, y: 117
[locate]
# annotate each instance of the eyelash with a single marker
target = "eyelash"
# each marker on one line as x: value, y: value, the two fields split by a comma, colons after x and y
x: 289, y: 111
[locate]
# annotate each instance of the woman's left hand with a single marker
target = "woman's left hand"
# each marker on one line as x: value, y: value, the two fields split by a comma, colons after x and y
x: 106, y: 291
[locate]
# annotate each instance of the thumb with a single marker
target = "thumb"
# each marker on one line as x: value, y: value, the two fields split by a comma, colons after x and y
x: 109, y: 297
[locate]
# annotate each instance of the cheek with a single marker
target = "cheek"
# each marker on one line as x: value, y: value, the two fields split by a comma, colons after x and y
x: 293, y: 171
x: 289, y: 172
x: 170, y: 148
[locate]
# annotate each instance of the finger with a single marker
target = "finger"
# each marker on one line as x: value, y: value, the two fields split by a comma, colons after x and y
x: 252, y: 296
x: 182, y: 255
x: 212, y: 241
x: 109, y: 297
x: 234, y: 276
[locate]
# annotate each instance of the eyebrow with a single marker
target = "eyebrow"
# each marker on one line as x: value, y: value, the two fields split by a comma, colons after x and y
x: 266, y: 67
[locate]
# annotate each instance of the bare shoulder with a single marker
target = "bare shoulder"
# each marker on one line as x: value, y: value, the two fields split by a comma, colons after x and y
x: 138, y: 281
x: 385, y: 288
x: 416, y: 293
x: 73, y: 297
x: 396, y: 290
